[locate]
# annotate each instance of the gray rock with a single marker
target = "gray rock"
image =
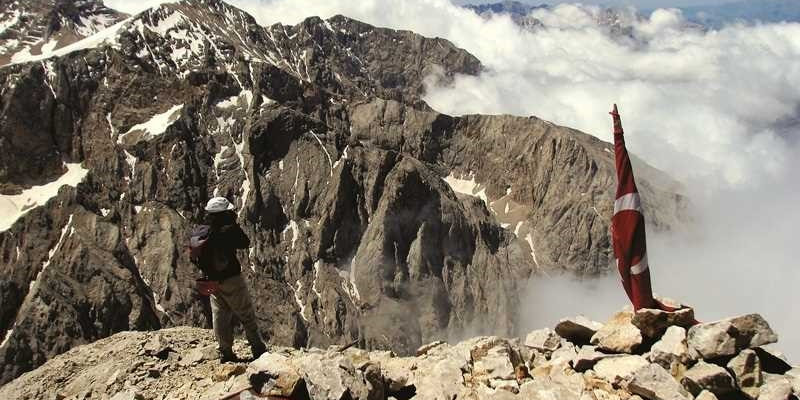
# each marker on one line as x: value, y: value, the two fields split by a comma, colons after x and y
x: 127, y: 395
x: 706, y: 395
x: 654, y: 382
x: 620, y: 368
x: 543, y: 340
x: 746, y: 370
x: 199, y: 355
x: 652, y: 323
x: 578, y: 330
x: 672, y: 351
x: 285, y: 378
x: 711, y: 377
x: 729, y: 336
x: 587, y: 357
x: 618, y: 335
x: 497, y: 362
x: 778, y: 389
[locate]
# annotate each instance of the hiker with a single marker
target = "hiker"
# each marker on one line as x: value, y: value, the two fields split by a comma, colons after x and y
x: 213, y: 250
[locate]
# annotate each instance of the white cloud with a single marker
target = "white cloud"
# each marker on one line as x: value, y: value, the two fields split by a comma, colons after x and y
x: 718, y: 109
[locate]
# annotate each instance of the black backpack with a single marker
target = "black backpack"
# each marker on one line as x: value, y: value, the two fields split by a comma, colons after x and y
x: 200, y: 251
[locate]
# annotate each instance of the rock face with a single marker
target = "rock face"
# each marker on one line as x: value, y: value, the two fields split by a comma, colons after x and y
x: 33, y: 27
x: 372, y: 217
x: 173, y: 363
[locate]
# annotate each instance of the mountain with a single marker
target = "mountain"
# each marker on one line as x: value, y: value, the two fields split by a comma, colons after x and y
x: 372, y: 217
x: 514, y: 8
x: 519, y: 12
x: 716, y: 16
x: 677, y: 363
x: 31, y: 27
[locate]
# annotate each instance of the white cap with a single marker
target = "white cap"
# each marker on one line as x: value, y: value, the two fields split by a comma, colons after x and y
x: 219, y: 204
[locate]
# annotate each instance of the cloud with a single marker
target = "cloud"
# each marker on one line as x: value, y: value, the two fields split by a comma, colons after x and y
x: 719, y: 110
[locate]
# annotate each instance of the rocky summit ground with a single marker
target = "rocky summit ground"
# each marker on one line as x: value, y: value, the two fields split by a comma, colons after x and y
x: 649, y: 354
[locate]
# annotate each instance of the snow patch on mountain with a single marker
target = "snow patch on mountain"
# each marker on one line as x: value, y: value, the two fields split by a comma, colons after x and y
x: 155, y: 126
x: 468, y: 187
x: 13, y: 207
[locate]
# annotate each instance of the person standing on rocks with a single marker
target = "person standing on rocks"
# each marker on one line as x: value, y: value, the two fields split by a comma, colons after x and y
x: 213, y: 250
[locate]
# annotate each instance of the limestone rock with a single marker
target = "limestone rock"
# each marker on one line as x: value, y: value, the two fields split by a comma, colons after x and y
x: 672, y: 351
x: 282, y: 378
x: 428, y: 347
x: 711, y: 377
x: 706, y: 395
x: 778, y: 389
x: 652, y: 323
x: 200, y: 354
x: 746, y: 370
x: 578, y: 330
x: 565, y: 354
x: 496, y: 362
x: 543, y: 340
x: 618, y: 369
x: 587, y: 357
x: 127, y: 395
x: 729, y: 336
x: 654, y: 382
x: 618, y: 335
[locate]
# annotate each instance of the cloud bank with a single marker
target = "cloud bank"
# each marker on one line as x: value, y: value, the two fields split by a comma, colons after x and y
x: 719, y: 110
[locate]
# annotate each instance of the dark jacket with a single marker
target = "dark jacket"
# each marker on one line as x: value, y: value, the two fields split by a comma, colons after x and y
x: 225, y: 238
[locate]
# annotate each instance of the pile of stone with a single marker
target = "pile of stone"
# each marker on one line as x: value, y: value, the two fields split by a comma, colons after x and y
x: 650, y: 354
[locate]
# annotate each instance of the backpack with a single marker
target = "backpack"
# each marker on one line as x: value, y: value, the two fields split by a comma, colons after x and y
x: 200, y: 251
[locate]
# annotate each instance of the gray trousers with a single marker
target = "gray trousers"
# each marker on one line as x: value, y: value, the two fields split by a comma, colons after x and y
x: 232, y: 299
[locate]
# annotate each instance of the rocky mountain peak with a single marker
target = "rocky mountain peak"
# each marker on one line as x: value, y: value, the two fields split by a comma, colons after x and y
x: 32, y: 28
x: 372, y: 217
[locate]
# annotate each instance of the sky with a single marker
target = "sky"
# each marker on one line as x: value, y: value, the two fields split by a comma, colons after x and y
x: 645, y: 4
x: 718, y: 110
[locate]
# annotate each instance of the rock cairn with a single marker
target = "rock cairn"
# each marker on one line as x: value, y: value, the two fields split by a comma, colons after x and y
x: 649, y: 354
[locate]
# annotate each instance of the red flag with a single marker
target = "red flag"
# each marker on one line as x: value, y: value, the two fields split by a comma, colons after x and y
x: 627, y: 228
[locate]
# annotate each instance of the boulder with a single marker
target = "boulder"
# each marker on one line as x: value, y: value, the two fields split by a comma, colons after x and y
x: 706, y: 395
x: 280, y: 376
x: 618, y: 335
x: 587, y: 357
x: 199, y: 355
x: 652, y: 323
x: 772, y: 361
x: 497, y: 362
x: 654, y: 382
x: 428, y: 347
x: 565, y: 354
x: 672, y: 351
x: 777, y: 389
x: 578, y: 330
x: 746, y: 371
x: 128, y: 395
x: 711, y: 377
x: 620, y: 368
x: 543, y: 340
x: 729, y: 336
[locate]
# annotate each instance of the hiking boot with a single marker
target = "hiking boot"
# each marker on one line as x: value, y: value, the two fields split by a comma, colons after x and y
x: 226, y: 356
